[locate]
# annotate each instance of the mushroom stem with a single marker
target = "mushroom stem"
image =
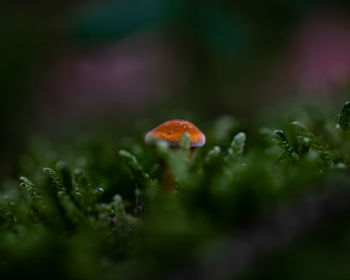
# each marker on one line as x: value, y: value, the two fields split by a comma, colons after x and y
x: 191, y: 152
x: 168, y: 180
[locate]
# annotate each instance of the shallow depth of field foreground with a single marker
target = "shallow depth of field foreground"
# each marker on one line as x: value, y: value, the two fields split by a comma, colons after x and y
x: 250, y: 202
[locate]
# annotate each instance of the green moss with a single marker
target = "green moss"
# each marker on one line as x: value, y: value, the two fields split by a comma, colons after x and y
x: 96, y: 209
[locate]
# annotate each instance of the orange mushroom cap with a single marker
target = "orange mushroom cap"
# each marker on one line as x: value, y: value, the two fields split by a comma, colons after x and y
x: 172, y: 131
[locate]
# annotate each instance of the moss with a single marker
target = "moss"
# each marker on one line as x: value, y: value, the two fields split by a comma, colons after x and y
x: 98, y: 209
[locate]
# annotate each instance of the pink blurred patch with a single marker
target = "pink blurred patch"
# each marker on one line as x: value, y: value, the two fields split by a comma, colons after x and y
x: 128, y: 75
x: 320, y: 60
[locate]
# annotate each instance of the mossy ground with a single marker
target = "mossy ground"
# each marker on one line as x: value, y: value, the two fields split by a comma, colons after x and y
x: 97, y: 209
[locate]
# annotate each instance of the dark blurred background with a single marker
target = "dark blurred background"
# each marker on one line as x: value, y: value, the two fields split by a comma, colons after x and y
x: 69, y: 67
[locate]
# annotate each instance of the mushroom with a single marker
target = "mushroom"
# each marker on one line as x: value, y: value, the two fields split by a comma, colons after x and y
x: 172, y: 132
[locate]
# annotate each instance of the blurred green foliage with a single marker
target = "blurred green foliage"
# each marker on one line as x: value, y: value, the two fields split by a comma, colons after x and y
x: 97, y: 209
